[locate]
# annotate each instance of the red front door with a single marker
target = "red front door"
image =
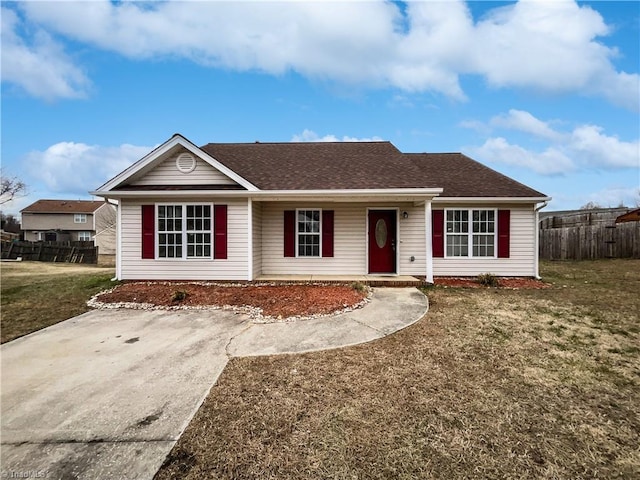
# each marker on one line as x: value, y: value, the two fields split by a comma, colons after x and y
x: 382, y: 241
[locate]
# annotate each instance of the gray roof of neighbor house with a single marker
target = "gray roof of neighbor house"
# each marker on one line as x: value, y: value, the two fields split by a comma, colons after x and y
x: 362, y: 165
x: 63, y: 206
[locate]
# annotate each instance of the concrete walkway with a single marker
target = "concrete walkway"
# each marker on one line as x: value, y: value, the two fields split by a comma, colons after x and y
x: 108, y: 393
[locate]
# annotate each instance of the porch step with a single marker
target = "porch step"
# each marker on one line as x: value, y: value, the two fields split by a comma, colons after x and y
x: 371, y: 280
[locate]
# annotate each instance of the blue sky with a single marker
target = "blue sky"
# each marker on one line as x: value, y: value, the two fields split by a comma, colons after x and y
x: 545, y: 92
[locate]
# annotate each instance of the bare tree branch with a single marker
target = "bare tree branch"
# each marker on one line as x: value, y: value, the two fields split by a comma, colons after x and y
x: 10, y: 187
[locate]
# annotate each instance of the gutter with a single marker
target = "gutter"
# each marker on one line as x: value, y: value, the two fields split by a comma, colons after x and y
x: 544, y: 204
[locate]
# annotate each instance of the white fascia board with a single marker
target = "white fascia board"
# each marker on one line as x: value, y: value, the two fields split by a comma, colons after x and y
x: 406, y: 194
x: 177, y: 139
x: 492, y: 200
x: 117, y: 194
x: 349, y: 195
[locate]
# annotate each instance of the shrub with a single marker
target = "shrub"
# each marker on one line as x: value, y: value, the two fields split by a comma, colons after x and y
x: 179, y: 296
x: 488, y: 280
x: 359, y: 287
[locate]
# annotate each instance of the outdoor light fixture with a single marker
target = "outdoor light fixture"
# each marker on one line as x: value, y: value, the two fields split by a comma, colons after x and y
x: 405, y: 214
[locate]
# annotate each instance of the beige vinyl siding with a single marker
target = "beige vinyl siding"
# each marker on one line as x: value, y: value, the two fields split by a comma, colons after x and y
x: 166, y: 173
x: 412, y: 241
x: 106, y: 241
x: 105, y: 233
x: 233, y: 268
x: 257, y: 238
x: 522, y: 259
x: 55, y: 221
x: 348, y: 242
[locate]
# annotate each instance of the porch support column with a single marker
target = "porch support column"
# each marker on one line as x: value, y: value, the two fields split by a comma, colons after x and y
x: 250, y: 245
x: 428, y: 240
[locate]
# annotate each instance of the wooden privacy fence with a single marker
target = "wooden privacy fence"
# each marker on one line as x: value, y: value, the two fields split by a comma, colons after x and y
x: 71, y: 252
x: 589, y: 242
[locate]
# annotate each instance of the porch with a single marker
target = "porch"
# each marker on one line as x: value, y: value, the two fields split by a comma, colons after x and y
x: 371, y: 280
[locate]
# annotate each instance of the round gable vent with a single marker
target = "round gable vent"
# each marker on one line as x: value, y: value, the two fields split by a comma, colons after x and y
x: 186, y: 162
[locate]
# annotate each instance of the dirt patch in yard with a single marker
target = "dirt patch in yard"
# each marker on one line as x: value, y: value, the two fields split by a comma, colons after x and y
x: 471, y: 282
x: 40, y: 269
x: 277, y: 301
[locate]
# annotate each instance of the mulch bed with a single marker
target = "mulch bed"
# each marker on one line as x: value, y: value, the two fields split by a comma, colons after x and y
x: 274, y: 300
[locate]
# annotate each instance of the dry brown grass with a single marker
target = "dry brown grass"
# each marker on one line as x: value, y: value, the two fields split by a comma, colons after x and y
x: 490, y: 384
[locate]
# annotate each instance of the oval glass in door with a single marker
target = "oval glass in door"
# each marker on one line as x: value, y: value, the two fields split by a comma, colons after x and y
x: 381, y: 233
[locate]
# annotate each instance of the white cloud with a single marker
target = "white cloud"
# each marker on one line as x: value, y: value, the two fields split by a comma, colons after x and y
x: 549, y: 162
x: 585, y: 147
x: 612, y: 197
x: 525, y: 122
x: 602, y: 150
x: 311, y: 136
x: 40, y: 66
x: 76, y: 168
x: 547, y: 46
x: 476, y: 125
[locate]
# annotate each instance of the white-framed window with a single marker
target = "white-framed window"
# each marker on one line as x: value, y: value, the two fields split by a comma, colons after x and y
x: 84, y: 236
x: 184, y: 231
x: 308, y: 228
x: 80, y: 218
x: 470, y: 233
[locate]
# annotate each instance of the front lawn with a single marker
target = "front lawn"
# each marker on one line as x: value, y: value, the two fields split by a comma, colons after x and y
x: 36, y: 295
x: 490, y: 384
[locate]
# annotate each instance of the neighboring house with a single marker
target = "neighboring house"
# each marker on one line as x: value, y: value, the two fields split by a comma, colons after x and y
x: 632, y: 216
x: 247, y: 211
x: 71, y: 220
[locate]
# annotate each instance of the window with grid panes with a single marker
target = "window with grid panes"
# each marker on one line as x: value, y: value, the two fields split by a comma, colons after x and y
x: 170, y: 231
x: 184, y: 231
x: 308, y: 233
x: 198, y: 231
x: 470, y: 228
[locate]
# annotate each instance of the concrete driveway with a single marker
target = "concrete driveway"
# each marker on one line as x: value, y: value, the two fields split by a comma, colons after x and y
x: 108, y: 393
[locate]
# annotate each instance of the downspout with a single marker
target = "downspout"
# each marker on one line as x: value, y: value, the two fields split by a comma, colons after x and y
x: 537, y: 230
x: 118, y: 240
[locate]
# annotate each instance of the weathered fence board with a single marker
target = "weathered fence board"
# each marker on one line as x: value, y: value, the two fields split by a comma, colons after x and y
x: 71, y: 252
x: 580, y: 218
x: 589, y: 242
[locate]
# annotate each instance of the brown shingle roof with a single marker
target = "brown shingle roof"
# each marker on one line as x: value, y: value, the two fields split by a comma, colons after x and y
x: 361, y: 165
x: 63, y: 206
x: 461, y: 176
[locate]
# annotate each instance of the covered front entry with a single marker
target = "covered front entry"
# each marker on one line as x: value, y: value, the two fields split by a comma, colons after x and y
x: 382, y: 241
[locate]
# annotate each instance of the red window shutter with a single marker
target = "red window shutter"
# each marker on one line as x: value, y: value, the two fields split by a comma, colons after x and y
x: 504, y: 228
x: 148, y: 231
x: 327, y: 233
x: 289, y: 233
x: 437, y: 233
x: 220, y: 231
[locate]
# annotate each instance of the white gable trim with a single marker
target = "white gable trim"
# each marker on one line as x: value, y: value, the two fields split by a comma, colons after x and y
x: 155, y: 154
